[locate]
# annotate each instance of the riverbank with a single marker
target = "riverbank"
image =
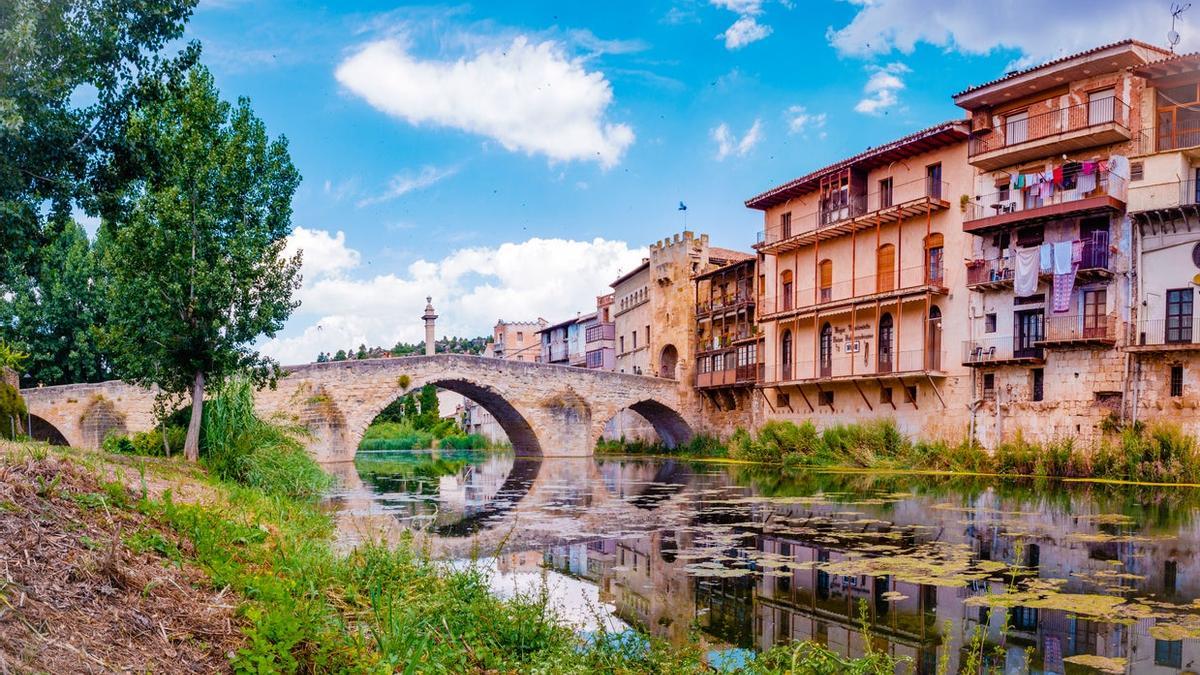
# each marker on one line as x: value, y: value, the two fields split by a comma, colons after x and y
x: 202, y: 574
x: 1158, y: 455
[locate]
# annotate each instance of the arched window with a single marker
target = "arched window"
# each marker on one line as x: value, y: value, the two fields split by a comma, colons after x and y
x: 825, y: 281
x: 885, y: 349
x: 826, y: 350
x: 933, y: 340
x: 885, y: 268
x: 785, y: 355
x: 934, y: 260
x: 786, y: 290
x: 667, y: 361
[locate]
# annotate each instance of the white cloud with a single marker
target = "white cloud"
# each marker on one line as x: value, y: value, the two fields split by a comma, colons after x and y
x: 802, y: 122
x: 406, y: 182
x: 729, y: 145
x: 471, y: 289
x: 744, y: 31
x: 882, y: 89
x: 739, y: 6
x: 1040, y: 32
x: 531, y: 98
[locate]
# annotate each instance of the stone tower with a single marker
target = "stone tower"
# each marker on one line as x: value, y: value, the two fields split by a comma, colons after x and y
x: 430, y: 319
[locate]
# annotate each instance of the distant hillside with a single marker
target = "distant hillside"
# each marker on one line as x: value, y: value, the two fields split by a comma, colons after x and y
x: 450, y: 345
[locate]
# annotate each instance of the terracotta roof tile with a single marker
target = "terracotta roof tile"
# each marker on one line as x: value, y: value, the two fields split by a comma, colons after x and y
x: 1061, y: 59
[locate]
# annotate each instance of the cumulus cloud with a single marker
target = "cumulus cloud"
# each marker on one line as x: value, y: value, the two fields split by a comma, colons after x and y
x: 802, y: 122
x: 739, y: 6
x: 744, y: 31
x: 529, y: 97
x: 882, y: 89
x: 1040, y: 32
x: 730, y: 145
x: 471, y: 289
x: 408, y: 181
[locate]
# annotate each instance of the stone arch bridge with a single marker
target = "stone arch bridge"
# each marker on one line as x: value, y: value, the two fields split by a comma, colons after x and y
x: 546, y: 410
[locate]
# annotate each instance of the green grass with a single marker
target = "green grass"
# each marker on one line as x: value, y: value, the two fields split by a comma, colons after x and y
x: 701, y: 445
x: 406, y: 436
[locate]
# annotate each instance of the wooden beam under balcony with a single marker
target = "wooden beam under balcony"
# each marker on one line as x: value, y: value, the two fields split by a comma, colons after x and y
x: 912, y: 208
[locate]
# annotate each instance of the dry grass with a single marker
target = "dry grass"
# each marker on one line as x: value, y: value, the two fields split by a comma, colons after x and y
x: 89, y: 584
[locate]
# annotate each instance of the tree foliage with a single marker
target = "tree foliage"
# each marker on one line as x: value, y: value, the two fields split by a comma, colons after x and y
x: 53, y: 313
x: 70, y: 72
x: 196, y: 272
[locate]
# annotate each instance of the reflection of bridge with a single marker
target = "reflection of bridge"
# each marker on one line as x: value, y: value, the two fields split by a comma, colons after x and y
x: 544, y: 409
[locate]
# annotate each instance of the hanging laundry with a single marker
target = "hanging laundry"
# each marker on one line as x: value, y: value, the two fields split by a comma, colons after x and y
x: 1086, y: 182
x: 1046, y: 257
x: 1088, y: 168
x: 1070, y: 173
x: 1076, y: 252
x: 1064, y: 285
x: 1019, y: 182
x: 1058, y: 175
x: 1025, y: 279
x: 1062, y: 257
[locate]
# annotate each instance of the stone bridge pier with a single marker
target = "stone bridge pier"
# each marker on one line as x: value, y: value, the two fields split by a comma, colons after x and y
x: 546, y: 410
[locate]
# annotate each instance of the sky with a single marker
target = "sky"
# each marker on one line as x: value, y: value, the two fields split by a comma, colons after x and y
x: 511, y: 159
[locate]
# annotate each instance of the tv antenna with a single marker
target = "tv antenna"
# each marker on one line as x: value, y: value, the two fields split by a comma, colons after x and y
x: 1177, y: 9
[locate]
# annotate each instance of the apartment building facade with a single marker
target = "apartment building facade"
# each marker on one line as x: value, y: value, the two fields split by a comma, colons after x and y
x: 517, y: 340
x: 854, y: 288
x: 1164, y: 208
x: 600, y: 336
x: 563, y: 344
x: 727, y: 342
x: 1050, y: 268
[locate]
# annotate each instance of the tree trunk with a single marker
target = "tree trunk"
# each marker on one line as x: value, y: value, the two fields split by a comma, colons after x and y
x: 191, y: 447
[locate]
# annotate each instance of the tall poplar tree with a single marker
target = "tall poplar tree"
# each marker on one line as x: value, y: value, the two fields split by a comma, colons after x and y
x: 195, y: 269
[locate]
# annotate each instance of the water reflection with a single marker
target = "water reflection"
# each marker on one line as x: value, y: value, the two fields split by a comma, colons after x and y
x: 965, y: 570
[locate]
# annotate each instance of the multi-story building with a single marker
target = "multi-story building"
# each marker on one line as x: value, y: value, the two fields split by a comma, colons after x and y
x: 600, y: 336
x: 1164, y: 206
x: 517, y: 340
x: 853, y: 285
x: 727, y: 341
x: 562, y: 343
x: 1050, y: 266
x: 631, y: 320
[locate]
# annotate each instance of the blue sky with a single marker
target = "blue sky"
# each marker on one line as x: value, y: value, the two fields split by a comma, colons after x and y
x: 511, y: 158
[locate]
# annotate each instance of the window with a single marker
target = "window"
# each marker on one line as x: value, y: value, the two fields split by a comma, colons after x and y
x: 885, y: 193
x: 1095, y: 304
x: 1178, y: 117
x: 718, y: 363
x: 1031, y: 236
x: 884, y: 349
x: 785, y: 225
x: 1137, y: 171
x: 825, y: 273
x: 1170, y: 577
x: 634, y: 334
x: 1030, y: 329
x: 648, y: 332
x: 826, y: 398
x: 520, y: 337
x: 885, y: 395
x: 785, y: 281
x: 989, y: 322
x: 933, y: 180
x: 1179, y: 316
x: 911, y: 390
x: 885, y: 268
x: 1102, y: 106
x: 1016, y: 127
x: 1024, y: 618
x: 1038, y: 385
x: 1168, y: 653
x: 989, y: 385
x: 622, y: 344
x: 934, y: 258
x: 1176, y: 381
x: 785, y: 354
x: 826, y: 348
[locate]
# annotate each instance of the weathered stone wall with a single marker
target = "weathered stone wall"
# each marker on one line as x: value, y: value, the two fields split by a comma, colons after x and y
x: 544, y: 409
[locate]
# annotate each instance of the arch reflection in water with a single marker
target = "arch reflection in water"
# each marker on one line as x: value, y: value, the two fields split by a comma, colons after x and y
x: 755, y: 559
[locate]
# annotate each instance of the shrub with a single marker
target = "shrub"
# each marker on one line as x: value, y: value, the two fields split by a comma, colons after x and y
x: 12, y: 411
x: 146, y: 443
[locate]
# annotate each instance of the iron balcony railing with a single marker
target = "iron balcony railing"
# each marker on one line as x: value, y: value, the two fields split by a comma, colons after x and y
x: 1078, y: 117
x: 980, y: 352
x: 1177, y: 330
x: 1095, y: 255
x: 718, y: 304
x: 723, y: 340
x: 1079, y: 328
x: 1166, y: 139
x: 1017, y: 200
x: 905, y: 279
x: 845, y: 206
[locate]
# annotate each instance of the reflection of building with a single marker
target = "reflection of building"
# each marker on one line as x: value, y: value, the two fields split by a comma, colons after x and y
x: 1164, y: 202
x: 517, y: 340
x: 477, y: 420
x: 854, y: 285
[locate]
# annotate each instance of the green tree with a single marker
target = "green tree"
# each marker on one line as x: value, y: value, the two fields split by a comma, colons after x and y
x: 362, y: 352
x: 70, y: 73
x: 429, y: 406
x: 410, y: 408
x: 54, y: 313
x: 196, y: 272
x: 340, y: 355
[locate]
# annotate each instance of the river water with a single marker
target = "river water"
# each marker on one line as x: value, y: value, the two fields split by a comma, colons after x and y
x: 1054, y: 576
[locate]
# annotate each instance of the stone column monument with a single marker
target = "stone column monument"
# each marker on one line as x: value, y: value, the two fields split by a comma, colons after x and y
x: 430, y: 318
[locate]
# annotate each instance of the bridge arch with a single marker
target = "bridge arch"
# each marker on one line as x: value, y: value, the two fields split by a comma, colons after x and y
x: 43, y: 430
x: 672, y: 429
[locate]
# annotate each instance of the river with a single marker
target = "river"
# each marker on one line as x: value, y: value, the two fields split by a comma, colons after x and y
x: 1049, y: 575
